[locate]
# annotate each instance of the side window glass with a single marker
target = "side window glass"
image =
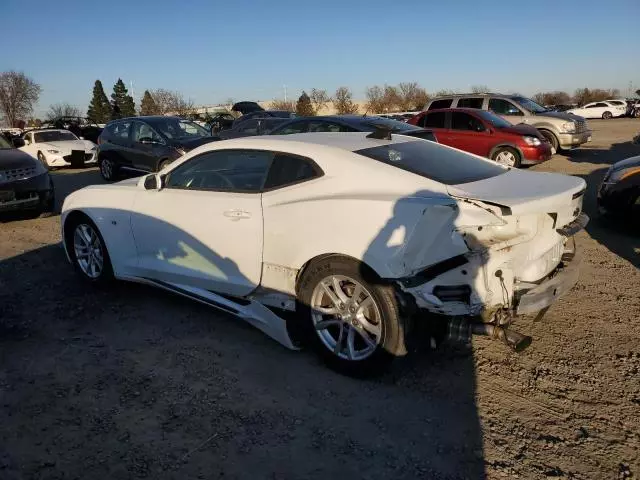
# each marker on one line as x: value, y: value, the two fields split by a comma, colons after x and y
x: 143, y: 131
x: 464, y: 121
x: 437, y: 104
x: 475, y: 102
x: 328, y: 127
x: 434, y: 120
x: 500, y: 106
x: 223, y: 170
x: 249, y: 126
x: 288, y: 169
x: 296, y: 127
x: 120, y: 130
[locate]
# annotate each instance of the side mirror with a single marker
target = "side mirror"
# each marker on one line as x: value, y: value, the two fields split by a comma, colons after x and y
x: 81, y: 138
x: 153, y: 182
x: 18, y: 142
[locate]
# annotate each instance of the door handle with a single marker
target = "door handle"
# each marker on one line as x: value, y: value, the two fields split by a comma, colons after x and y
x: 237, y: 214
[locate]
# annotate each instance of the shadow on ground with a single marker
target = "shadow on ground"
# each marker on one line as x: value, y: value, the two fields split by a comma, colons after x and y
x: 135, y: 382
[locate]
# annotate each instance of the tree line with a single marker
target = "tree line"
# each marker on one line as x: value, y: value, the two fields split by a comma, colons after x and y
x: 19, y: 94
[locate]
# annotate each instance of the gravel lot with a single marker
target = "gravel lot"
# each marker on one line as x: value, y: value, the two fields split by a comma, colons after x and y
x: 137, y: 383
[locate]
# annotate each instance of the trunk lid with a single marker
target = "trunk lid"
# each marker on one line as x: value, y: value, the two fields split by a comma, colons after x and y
x: 527, y: 192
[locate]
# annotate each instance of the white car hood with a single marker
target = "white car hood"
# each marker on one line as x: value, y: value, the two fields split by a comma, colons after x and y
x: 523, y: 192
x: 68, y: 145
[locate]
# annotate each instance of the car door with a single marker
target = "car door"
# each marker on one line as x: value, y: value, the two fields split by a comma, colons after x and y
x: 435, y: 121
x: 147, y: 147
x: 506, y: 109
x: 469, y: 134
x: 29, y: 146
x: 117, y: 143
x: 204, y: 228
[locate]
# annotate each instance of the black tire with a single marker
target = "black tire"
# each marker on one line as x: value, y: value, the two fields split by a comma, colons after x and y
x: 108, y: 169
x: 392, y: 341
x: 636, y: 113
x: 517, y: 160
x: 43, y: 161
x: 552, y: 139
x: 75, y: 221
x: 163, y: 163
x: 607, y: 115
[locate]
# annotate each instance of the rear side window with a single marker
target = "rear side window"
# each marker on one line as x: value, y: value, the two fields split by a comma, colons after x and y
x: 287, y: 169
x: 295, y: 127
x: 434, y: 161
x: 437, y: 104
x: 119, y: 130
x: 470, y: 102
x: 433, y: 120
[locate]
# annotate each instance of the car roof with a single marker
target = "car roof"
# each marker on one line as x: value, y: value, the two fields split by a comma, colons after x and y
x: 39, y: 130
x: 349, y: 141
x: 454, y: 109
x: 149, y: 117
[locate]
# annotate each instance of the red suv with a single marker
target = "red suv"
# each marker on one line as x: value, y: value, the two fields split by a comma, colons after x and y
x: 486, y: 134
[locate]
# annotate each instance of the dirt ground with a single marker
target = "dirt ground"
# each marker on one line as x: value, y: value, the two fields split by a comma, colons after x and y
x: 137, y: 383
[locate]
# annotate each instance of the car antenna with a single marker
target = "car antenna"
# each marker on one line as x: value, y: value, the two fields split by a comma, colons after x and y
x: 381, y: 132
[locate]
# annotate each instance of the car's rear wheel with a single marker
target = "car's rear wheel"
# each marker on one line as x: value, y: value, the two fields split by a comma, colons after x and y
x: 108, y: 169
x: 351, y: 318
x: 552, y: 139
x: 87, y: 250
x: 507, y: 156
x: 607, y: 115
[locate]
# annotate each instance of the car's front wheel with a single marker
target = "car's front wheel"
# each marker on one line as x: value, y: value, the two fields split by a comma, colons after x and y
x: 87, y: 250
x: 507, y: 156
x: 351, y: 317
x: 108, y: 169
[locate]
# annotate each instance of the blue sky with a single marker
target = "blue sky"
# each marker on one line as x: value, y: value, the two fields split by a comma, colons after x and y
x: 218, y: 49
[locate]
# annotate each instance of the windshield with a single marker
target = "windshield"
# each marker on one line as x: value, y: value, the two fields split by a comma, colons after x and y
x: 529, y: 104
x: 394, y: 125
x: 3, y: 143
x: 494, y: 119
x: 434, y: 161
x: 178, y: 128
x: 53, y: 136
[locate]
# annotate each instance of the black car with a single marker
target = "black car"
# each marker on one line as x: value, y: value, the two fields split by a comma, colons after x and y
x: 25, y: 184
x: 253, y: 126
x: 147, y: 144
x: 619, y: 192
x: 351, y: 123
x: 82, y: 127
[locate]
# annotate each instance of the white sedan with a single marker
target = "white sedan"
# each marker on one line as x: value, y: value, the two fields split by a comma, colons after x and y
x: 59, y: 148
x: 360, y: 234
x: 605, y: 110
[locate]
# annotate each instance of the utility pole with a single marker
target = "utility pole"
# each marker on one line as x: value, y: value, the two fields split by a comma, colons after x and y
x: 285, y: 93
x: 131, y: 89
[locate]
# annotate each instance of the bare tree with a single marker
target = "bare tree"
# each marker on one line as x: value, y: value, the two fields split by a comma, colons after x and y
x: 480, y: 89
x: 391, y: 98
x: 552, y: 98
x: 18, y: 94
x: 375, y: 99
x: 287, y: 105
x: 319, y: 99
x: 62, y: 110
x: 443, y: 92
x: 168, y: 101
x: 343, y: 101
x: 420, y: 100
x: 585, y: 95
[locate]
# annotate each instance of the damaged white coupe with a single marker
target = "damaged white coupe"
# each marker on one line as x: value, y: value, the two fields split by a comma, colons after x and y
x: 342, y: 241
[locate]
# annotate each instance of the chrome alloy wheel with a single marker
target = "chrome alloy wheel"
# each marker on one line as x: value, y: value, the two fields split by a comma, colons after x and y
x: 346, y: 317
x: 506, y: 158
x: 88, y: 250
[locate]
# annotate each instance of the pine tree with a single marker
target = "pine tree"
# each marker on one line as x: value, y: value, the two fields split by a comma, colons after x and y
x: 99, y: 108
x: 122, y: 102
x: 148, y: 105
x: 304, y: 108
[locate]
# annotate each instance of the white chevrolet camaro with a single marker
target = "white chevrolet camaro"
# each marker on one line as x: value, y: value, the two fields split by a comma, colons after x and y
x: 362, y: 235
x: 59, y: 148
